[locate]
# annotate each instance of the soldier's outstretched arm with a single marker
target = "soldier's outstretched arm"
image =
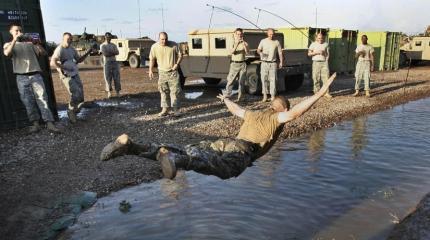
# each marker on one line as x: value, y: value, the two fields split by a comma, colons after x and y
x: 232, y: 107
x: 303, y: 106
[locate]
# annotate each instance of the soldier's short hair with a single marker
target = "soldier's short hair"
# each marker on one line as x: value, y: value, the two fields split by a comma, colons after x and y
x: 165, y: 34
x: 13, y: 24
x: 279, y: 104
x: 108, y: 34
x: 238, y: 30
x: 271, y: 29
x: 67, y: 33
x: 364, y: 36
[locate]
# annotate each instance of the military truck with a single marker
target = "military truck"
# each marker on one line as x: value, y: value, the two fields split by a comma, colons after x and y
x: 417, y: 49
x: 206, y: 55
x: 133, y: 51
x: 83, y: 42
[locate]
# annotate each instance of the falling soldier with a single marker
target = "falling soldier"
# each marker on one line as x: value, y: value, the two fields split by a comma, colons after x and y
x: 319, y: 51
x: 364, y: 53
x: 237, y: 64
x: 270, y: 52
x: 65, y: 58
x: 28, y: 78
x: 224, y: 158
x: 167, y: 55
x: 110, y: 65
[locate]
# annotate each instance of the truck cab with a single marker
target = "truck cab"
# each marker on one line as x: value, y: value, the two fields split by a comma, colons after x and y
x: 206, y: 55
x: 417, y: 49
x: 133, y: 51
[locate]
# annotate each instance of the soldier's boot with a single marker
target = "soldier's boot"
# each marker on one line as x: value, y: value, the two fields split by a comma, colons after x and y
x: 118, y: 93
x: 356, y: 93
x: 109, y: 95
x: 35, y: 127
x: 171, y: 162
x: 52, y: 128
x: 272, y: 98
x: 164, y: 112
x: 328, y: 95
x: 264, y: 98
x: 175, y: 111
x: 117, y: 148
x: 72, y: 116
x: 368, y: 94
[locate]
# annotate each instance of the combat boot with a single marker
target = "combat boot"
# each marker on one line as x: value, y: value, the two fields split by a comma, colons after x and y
x: 356, y: 93
x: 175, y: 112
x: 368, y: 93
x: 264, y: 98
x: 117, y: 148
x: 163, y: 112
x: 118, y: 94
x: 35, y: 127
x: 52, y: 128
x: 328, y: 95
x: 171, y: 162
x: 72, y: 116
x: 109, y: 95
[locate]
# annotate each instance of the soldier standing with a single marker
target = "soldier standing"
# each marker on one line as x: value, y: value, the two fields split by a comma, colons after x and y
x: 65, y: 58
x: 110, y: 65
x: 28, y: 78
x: 167, y: 55
x: 364, y: 53
x: 238, y: 65
x: 270, y: 51
x: 319, y: 51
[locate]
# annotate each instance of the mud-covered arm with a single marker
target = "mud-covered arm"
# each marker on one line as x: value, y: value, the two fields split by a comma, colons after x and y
x: 303, y: 106
x: 232, y: 107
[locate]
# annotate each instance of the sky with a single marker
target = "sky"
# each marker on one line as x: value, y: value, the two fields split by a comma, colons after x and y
x: 178, y: 17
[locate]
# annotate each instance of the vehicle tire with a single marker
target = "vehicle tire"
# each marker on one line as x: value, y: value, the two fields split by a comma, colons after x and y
x: 134, y: 61
x: 253, y: 82
x: 293, y: 82
x: 212, y: 81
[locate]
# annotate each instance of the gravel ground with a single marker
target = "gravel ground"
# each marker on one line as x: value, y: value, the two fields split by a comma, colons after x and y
x: 37, y: 171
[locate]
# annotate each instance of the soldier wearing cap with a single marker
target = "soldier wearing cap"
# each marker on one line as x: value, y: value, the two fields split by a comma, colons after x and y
x: 111, y: 68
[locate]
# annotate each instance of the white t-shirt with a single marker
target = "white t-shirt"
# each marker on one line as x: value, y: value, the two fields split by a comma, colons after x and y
x: 269, y: 49
x: 315, y: 46
x: 24, y: 58
x: 368, y: 49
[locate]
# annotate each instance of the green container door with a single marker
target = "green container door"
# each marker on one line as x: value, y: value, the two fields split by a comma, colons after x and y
x: 294, y: 38
x: 28, y: 13
x: 342, y: 46
x: 387, y: 49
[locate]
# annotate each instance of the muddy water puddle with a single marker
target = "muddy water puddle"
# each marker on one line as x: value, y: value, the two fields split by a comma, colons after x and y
x: 352, y: 181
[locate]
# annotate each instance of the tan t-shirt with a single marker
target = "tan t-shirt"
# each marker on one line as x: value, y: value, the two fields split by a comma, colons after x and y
x: 368, y: 49
x: 24, y: 58
x: 239, y: 54
x: 109, y: 50
x: 269, y: 49
x: 166, y: 56
x: 259, y: 126
x: 315, y: 46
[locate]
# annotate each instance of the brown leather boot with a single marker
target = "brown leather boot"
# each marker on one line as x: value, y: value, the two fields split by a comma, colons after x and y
x: 368, y: 94
x: 35, y: 127
x: 356, y: 93
x: 116, y: 148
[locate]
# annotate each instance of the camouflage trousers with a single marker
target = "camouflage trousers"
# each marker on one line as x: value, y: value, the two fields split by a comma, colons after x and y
x: 224, y: 158
x: 169, y: 85
x: 33, y: 95
x: 111, y: 73
x: 76, y: 91
x: 320, y: 72
x: 237, y: 71
x: 362, y: 72
x: 269, y: 77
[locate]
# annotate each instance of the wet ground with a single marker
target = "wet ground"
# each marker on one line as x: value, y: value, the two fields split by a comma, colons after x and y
x: 352, y: 181
x: 38, y: 171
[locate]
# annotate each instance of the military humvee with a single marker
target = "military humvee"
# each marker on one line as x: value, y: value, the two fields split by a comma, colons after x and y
x: 206, y: 55
x: 133, y: 51
x: 85, y: 41
x: 417, y: 49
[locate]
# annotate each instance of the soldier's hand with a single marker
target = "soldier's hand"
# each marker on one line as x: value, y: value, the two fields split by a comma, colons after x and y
x: 16, y: 37
x: 150, y: 74
x: 221, y: 97
x: 280, y: 65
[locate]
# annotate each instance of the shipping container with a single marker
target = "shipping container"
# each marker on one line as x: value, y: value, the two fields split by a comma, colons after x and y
x: 387, y: 48
x: 28, y: 14
x: 301, y: 37
x: 342, y: 50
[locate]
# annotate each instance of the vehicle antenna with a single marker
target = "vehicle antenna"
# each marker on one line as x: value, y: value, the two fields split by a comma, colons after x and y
x: 276, y: 15
x: 225, y: 10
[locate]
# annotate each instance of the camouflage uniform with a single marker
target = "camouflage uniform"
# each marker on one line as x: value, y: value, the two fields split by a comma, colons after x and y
x: 75, y: 89
x: 111, y: 72
x: 237, y: 70
x: 168, y: 84
x: 33, y: 95
x: 320, y: 72
x: 362, y: 70
x: 269, y: 77
x: 224, y: 158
